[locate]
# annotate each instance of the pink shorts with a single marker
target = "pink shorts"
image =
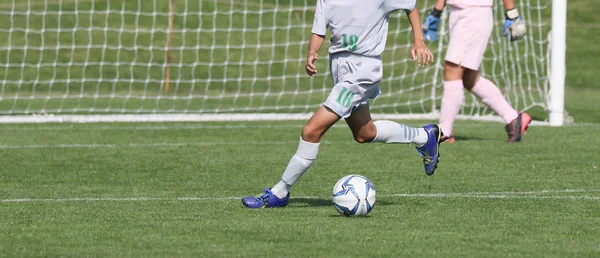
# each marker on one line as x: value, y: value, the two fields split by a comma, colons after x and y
x: 470, y: 30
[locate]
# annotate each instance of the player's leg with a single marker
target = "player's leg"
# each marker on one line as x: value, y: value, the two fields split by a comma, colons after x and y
x: 453, y: 94
x: 308, y: 147
x: 352, y: 103
x: 306, y: 153
x: 483, y: 88
x: 452, y: 98
x: 426, y: 139
x: 318, y: 124
x: 338, y: 104
x: 488, y: 92
x: 365, y: 130
x: 490, y: 95
x: 476, y: 24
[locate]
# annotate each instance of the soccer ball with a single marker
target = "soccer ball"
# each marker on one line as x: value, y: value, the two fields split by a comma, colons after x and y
x: 354, y: 195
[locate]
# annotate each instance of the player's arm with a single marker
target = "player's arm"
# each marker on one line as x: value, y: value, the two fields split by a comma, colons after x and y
x: 514, y: 27
x: 432, y: 22
x: 439, y: 6
x: 509, y: 4
x: 419, y: 52
x: 319, y: 30
x: 316, y: 41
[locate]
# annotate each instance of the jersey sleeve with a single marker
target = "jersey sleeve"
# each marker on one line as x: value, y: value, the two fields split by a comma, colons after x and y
x: 320, y: 22
x: 393, y: 5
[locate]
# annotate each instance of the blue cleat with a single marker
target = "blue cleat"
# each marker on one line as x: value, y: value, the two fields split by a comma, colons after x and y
x: 430, y: 151
x: 267, y: 200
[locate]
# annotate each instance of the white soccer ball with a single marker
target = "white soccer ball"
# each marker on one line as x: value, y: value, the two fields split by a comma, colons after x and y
x: 354, y: 195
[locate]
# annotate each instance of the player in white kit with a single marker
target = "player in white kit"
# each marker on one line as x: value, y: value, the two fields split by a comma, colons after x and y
x: 471, y: 23
x: 358, y: 37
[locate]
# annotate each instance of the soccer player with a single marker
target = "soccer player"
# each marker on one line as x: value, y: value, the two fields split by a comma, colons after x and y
x: 471, y: 23
x: 358, y: 37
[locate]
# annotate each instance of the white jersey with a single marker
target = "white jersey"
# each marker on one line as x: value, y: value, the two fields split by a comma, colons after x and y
x: 357, y: 26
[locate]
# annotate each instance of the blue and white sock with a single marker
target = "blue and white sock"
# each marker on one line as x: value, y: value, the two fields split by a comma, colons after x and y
x: 392, y: 132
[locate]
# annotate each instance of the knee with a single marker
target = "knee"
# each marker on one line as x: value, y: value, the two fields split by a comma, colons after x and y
x: 311, y: 134
x: 453, y: 72
x: 365, y: 135
x: 470, y: 79
x: 469, y: 84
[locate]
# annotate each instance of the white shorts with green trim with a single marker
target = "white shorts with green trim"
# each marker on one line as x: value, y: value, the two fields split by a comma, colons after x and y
x: 356, y: 80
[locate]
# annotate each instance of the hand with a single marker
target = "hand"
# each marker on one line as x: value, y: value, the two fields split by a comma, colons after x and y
x: 421, y: 54
x: 430, y: 28
x: 514, y: 27
x: 310, y: 64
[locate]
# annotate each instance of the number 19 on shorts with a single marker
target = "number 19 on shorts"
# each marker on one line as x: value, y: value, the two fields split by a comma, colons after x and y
x: 345, y: 97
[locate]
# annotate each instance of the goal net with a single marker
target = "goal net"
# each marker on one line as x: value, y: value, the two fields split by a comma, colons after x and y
x: 180, y: 60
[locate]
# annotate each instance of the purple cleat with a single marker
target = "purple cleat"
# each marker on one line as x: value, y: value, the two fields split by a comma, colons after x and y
x: 267, y: 200
x: 430, y: 151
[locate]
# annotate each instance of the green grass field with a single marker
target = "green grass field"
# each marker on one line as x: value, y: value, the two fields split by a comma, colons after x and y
x: 156, y: 190
x: 174, y: 189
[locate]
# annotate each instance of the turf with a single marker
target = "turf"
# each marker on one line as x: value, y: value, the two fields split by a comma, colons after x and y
x: 82, y: 190
x: 172, y: 190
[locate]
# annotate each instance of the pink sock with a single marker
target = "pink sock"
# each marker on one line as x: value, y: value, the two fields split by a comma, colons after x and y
x: 452, y: 100
x: 490, y: 95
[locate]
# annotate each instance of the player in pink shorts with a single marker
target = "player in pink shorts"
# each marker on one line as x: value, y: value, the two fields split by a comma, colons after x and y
x: 471, y: 23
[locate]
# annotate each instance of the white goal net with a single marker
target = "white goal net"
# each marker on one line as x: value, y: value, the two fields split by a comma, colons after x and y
x: 226, y: 59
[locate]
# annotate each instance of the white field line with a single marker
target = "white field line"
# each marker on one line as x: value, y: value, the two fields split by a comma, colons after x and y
x: 476, y: 195
x: 175, y: 126
x: 502, y: 196
x: 134, y: 145
x: 179, y: 126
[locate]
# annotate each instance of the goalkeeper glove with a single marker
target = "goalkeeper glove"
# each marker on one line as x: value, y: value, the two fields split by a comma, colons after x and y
x: 431, y: 25
x: 514, y: 27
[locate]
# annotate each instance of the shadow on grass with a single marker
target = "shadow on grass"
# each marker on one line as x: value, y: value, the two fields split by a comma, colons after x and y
x: 303, y: 202
x: 468, y: 138
x: 351, y: 217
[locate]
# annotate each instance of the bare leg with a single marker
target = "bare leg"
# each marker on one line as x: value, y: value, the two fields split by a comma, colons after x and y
x: 453, y: 72
x: 318, y: 124
x: 361, y: 125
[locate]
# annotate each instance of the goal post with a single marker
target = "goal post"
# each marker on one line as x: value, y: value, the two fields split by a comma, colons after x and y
x: 556, y: 100
x: 223, y: 60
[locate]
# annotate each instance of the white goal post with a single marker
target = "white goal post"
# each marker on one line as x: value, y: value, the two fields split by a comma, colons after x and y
x: 224, y: 60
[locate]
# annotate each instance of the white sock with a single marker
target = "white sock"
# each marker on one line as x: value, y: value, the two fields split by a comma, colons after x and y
x: 298, y: 165
x: 392, y: 132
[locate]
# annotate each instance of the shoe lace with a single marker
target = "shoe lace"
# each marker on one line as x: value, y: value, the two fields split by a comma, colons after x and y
x: 266, y: 196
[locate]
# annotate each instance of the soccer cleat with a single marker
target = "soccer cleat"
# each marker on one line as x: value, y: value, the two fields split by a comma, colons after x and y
x: 517, y: 127
x: 267, y: 200
x: 448, y: 139
x: 430, y: 150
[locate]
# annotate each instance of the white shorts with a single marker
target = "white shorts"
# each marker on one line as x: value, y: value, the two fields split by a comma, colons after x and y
x: 356, y: 80
x: 470, y: 30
